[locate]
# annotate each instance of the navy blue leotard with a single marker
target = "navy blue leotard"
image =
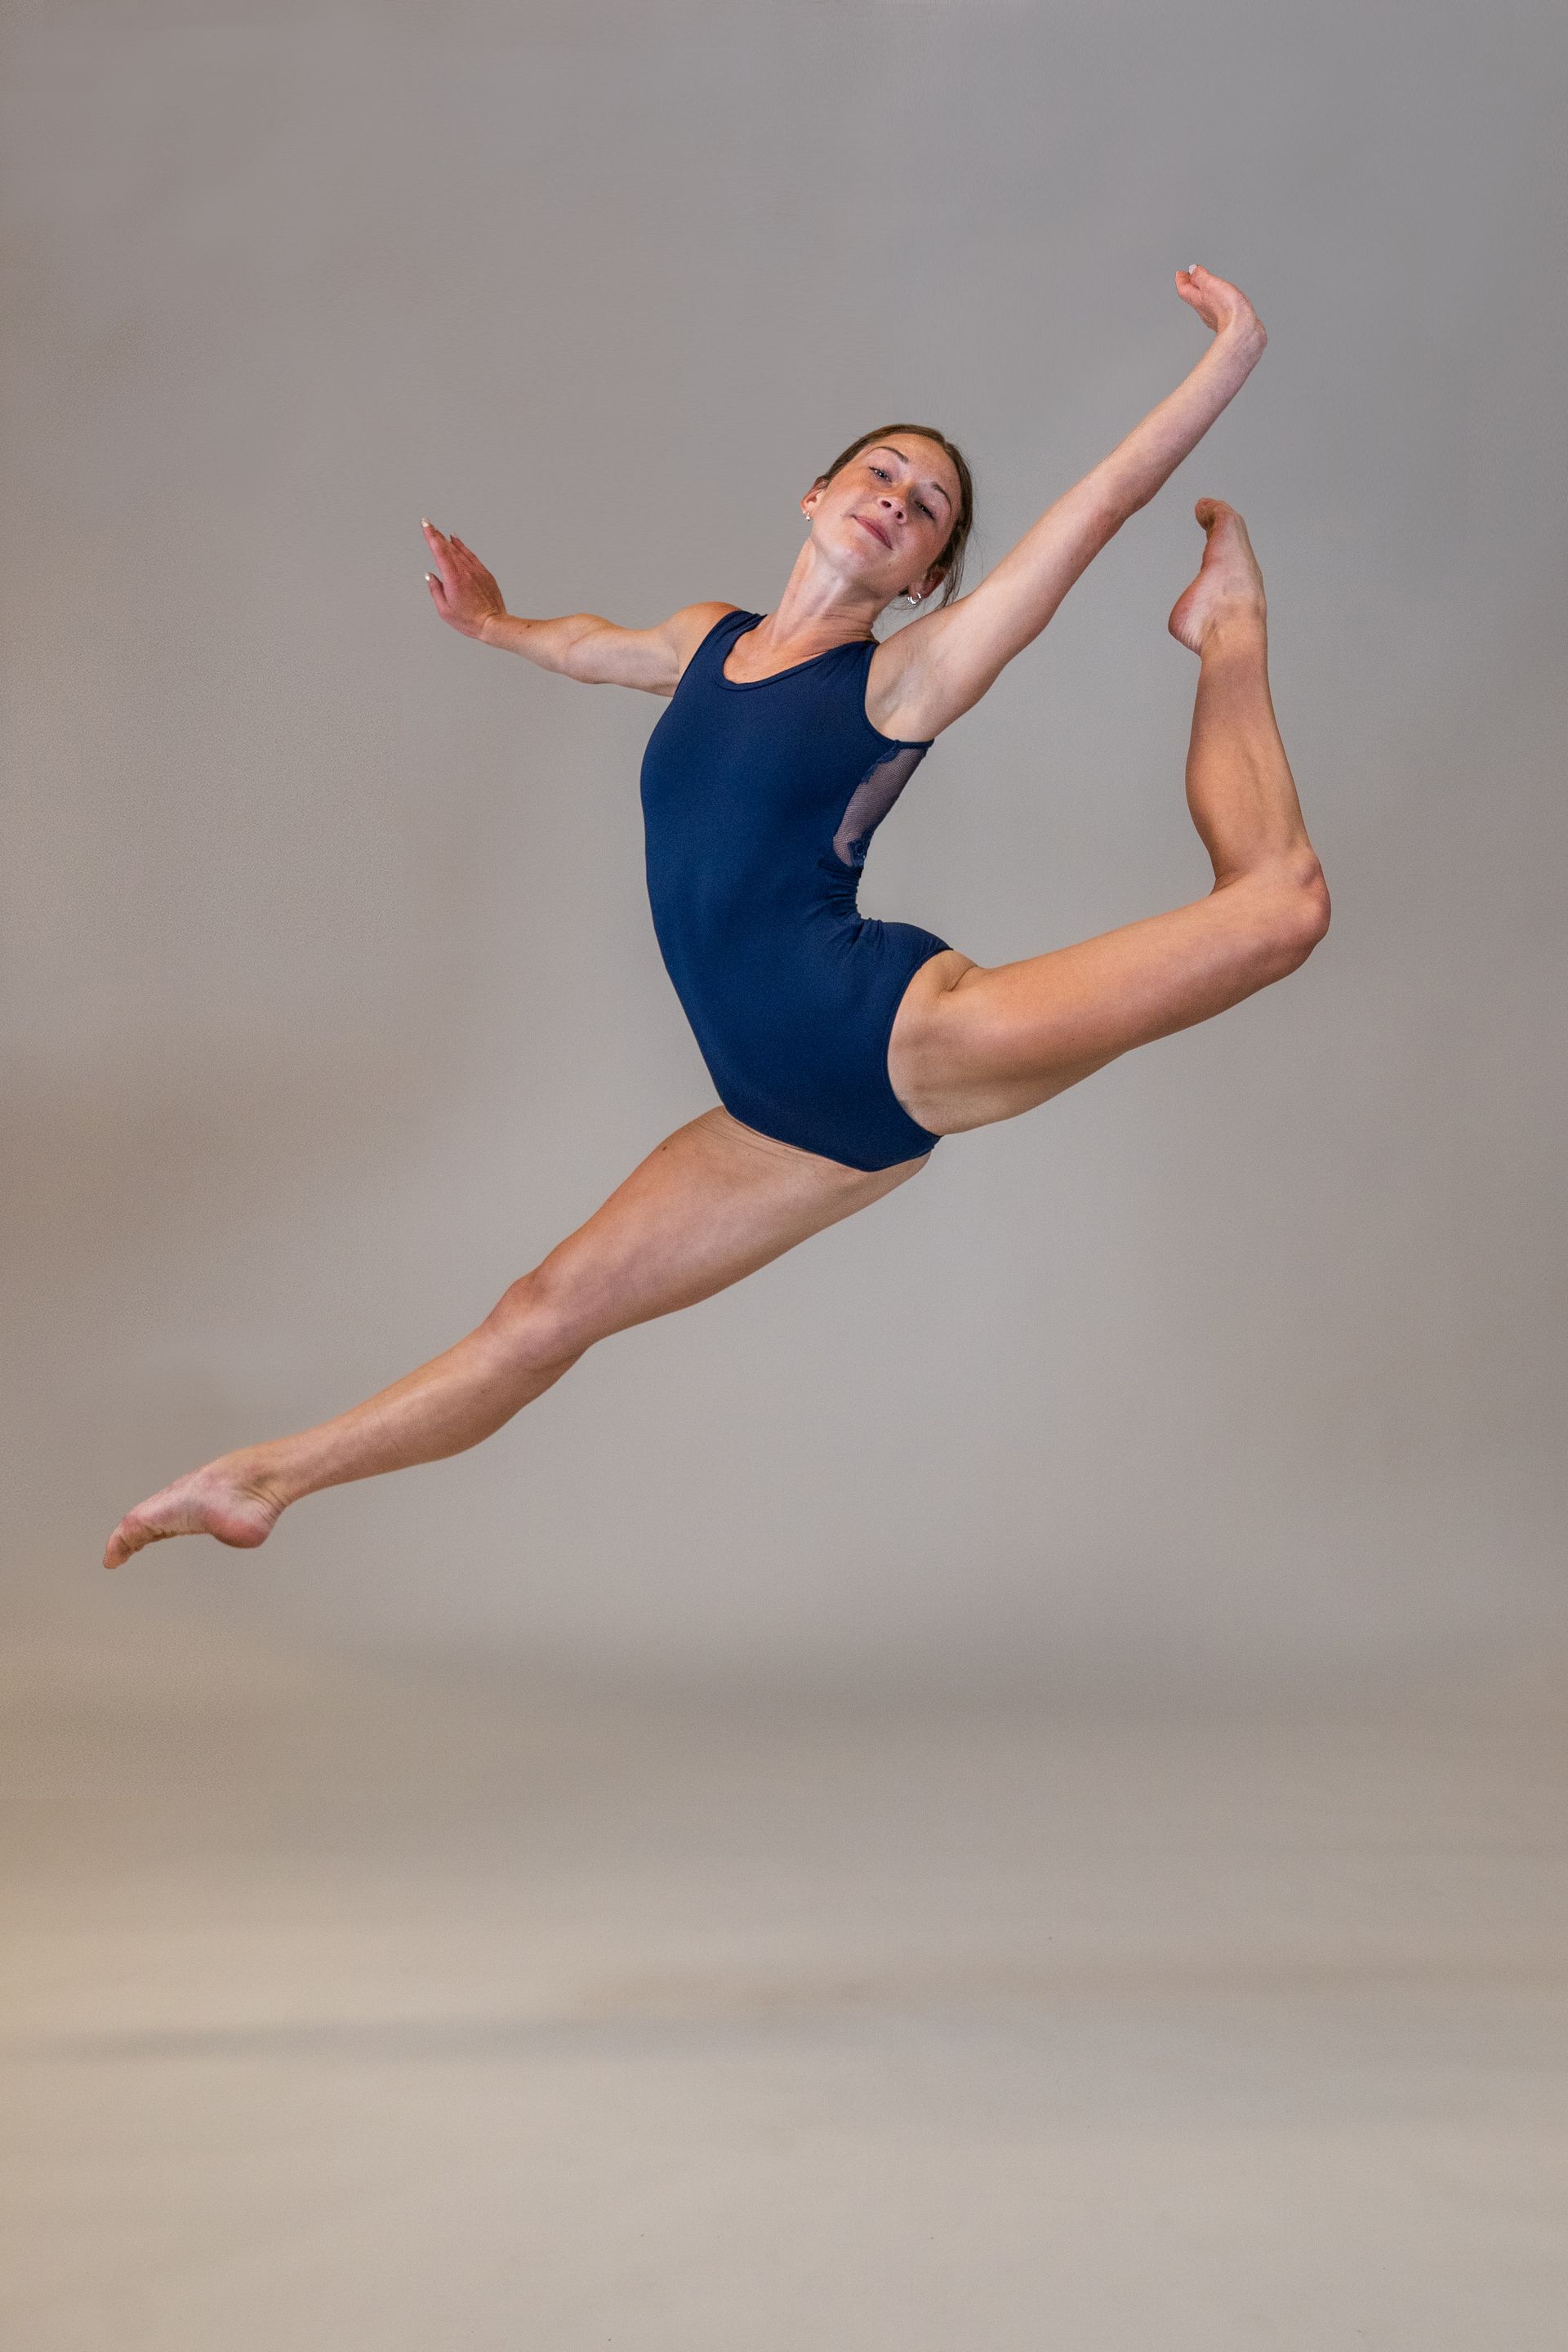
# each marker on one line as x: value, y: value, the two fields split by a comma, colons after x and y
x: 759, y: 798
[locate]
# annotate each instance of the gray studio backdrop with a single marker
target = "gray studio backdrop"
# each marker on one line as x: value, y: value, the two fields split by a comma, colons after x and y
x: 331, y: 998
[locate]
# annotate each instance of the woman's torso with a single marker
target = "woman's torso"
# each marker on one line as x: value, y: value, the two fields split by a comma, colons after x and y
x: 760, y: 797
x: 763, y: 792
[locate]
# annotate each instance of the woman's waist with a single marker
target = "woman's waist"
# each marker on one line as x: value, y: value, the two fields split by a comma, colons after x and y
x: 721, y: 894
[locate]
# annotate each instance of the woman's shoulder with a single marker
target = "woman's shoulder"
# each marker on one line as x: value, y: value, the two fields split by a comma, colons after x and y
x: 686, y: 630
x: 697, y: 620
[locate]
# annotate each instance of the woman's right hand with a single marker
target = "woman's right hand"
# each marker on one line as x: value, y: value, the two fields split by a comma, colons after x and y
x: 461, y: 590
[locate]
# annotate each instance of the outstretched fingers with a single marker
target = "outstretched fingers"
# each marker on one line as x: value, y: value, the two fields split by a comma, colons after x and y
x: 462, y: 591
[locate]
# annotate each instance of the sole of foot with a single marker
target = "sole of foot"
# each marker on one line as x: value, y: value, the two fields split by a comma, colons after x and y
x: 1229, y: 585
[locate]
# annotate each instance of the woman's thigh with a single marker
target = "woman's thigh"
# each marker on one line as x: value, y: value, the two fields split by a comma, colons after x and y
x: 709, y: 1205
x: 973, y: 1043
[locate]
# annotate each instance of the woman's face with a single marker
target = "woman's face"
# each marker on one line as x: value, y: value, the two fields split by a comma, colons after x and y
x: 889, y: 512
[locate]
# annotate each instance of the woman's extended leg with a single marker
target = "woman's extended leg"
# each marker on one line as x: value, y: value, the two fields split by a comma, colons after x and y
x: 974, y: 1043
x: 714, y: 1201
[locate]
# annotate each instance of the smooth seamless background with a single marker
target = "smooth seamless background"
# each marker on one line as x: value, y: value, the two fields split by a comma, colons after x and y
x: 330, y: 999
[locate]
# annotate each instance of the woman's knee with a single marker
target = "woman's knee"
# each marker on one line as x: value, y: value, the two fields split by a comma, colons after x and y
x: 1296, y: 914
x: 540, y: 1318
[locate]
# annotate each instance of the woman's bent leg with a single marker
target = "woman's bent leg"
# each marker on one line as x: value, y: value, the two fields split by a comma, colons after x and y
x: 713, y: 1202
x: 974, y: 1043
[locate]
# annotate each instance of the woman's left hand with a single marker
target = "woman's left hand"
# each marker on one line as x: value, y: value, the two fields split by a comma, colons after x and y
x: 1224, y: 307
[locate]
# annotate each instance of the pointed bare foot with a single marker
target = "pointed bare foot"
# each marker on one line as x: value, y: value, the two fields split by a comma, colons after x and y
x: 229, y: 1498
x: 1229, y: 585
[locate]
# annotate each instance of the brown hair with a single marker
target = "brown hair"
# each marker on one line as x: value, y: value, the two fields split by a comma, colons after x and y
x: 952, y: 556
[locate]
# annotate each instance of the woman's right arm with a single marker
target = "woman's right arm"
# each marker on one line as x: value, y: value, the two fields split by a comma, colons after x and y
x: 583, y: 645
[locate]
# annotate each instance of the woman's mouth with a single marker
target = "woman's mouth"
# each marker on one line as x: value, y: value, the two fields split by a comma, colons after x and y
x: 875, y: 528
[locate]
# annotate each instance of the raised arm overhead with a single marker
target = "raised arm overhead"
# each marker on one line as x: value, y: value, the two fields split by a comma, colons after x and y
x: 953, y: 655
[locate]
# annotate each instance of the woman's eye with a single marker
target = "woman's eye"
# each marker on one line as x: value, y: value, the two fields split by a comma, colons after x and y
x: 888, y: 477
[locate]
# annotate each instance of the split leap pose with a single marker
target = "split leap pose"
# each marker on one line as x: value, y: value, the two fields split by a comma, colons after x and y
x: 842, y: 1049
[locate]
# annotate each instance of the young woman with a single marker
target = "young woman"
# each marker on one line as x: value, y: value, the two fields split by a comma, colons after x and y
x: 842, y: 1049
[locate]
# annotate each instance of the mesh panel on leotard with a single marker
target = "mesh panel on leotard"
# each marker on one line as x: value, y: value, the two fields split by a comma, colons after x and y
x: 871, y: 799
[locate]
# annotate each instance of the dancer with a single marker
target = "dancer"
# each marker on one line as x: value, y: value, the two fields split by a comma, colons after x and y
x: 842, y: 1049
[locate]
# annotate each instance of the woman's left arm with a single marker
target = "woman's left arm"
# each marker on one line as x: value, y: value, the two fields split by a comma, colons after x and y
x: 954, y: 653
x: 1150, y: 454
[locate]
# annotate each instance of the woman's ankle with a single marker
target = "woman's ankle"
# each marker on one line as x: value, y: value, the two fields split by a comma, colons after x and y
x: 266, y: 1472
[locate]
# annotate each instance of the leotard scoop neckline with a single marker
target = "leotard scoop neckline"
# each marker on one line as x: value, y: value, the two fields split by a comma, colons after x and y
x: 744, y: 684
